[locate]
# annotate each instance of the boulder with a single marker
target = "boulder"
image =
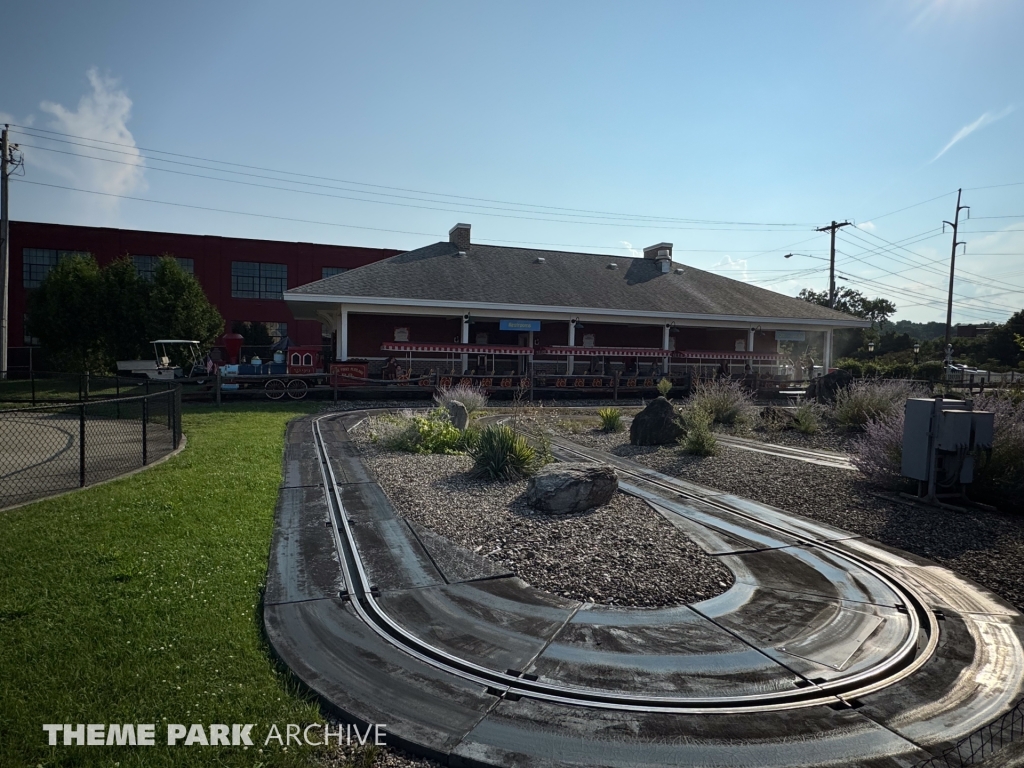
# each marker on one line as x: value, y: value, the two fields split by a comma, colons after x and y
x: 459, y: 415
x: 825, y: 388
x: 657, y: 424
x: 565, y: 488
x: 783, y: 417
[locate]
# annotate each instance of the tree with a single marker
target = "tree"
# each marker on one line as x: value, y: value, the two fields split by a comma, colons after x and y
x: 125, y: 298
x: 855, y: 303
x: 178, y: 308
x: 66, y: 312
x: 1001, y: 343
x: 254, y: 334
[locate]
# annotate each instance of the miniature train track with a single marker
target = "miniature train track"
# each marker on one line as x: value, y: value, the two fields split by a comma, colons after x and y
x: 914, y: 651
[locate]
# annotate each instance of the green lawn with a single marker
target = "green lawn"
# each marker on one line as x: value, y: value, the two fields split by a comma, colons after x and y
x: 139, y: 602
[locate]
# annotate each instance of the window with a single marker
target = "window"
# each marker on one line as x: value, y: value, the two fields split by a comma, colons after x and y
x: 36, y: 263
x: 30, y: 341
x: 254, y: 280
x: 277, y: 331
x: 331, y: 272
x: 145, y: 266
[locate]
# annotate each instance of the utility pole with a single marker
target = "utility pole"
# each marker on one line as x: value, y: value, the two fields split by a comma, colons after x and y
x: 4, y: 252
x: 832, y: 259
x: 955, y: 223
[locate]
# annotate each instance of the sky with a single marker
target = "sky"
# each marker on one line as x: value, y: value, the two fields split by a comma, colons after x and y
x: 731, y: 129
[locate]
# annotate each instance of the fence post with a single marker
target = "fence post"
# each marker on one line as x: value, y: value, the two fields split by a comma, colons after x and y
x: 86, y: 385
x: 615, y: 391
x: 145, y: 419
x: 216, y: 388
x: 81, y: 445
x: 32, y: 377
x: 170, y: 408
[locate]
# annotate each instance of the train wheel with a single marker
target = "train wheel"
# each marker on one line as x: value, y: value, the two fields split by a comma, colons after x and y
x: 297, y: 389
x: 275, y: 389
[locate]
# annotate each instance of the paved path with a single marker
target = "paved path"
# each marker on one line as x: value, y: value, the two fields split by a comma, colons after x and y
x: 828, y: 649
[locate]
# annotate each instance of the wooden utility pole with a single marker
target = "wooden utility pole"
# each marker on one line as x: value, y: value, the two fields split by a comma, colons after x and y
x: 4, y: 252
x: 955, y: 223
x: 832, y: 261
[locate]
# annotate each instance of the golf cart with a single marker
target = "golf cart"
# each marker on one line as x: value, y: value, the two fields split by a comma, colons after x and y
x: 161, y: 367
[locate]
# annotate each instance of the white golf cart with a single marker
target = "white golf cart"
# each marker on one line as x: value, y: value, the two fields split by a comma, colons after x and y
x: 161, y: 367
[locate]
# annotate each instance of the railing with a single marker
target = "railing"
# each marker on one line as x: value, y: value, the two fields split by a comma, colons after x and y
x: 35, y: 388
x: 983, y: 743
x: 47, y: 449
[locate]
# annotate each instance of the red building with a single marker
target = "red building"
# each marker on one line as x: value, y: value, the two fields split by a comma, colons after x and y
x: 243, y: 278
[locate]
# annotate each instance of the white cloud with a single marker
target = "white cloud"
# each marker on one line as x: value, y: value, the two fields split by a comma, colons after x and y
x: 986, y: 119
x: 727, y: 264
x: 102, y: 113
x: 867, y: 226
x: 633, y: 252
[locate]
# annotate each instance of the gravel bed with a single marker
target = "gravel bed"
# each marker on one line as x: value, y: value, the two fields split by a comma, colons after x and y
x: 827, y: 439
x: 987, y: 547
x: 623, y: 553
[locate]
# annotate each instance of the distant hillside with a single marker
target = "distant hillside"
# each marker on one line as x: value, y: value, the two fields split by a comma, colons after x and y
x: 919, y: 331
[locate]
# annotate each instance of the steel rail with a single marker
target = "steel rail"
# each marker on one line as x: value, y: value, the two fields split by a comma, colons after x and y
x: 360, y: 591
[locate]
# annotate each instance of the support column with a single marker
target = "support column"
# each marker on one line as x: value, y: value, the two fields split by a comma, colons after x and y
x: 826, y: 363
x: 664, y: 345
x: 750, y: 340
x: 465, y: 340
x: 342, y: 351
x: 570, y: 365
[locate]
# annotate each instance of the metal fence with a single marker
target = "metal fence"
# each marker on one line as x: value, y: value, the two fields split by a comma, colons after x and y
x: 35, y: 388
x: 983, y: 743
x: 46, y: 449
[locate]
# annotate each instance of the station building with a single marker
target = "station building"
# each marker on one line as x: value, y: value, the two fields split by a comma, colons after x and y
x: 455, y: 306
x: 245, y: 279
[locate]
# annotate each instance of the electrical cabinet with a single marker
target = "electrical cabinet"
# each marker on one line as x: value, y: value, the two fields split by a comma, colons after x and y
x: 941, y: 438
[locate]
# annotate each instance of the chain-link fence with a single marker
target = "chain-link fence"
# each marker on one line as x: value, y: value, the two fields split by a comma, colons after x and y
x: 78, y: 441
x: 983, y: 743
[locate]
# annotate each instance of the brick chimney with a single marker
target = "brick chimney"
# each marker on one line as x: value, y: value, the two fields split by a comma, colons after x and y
x: 459, y: 236
x: 661, y: 254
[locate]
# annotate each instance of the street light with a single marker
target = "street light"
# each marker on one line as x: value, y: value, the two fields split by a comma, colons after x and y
x: 917, y: 348
x: 871, y: 346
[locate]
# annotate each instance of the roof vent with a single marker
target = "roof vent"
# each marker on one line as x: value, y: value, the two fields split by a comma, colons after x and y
x: 539, y: 260
x: 679, y: 270
x: 613, y: 265
x: 460, y: 255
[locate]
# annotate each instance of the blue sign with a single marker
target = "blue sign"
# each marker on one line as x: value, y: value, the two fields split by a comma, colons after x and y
x: 519, y: 325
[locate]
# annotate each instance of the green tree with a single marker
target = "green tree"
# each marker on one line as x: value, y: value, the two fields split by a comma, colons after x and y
x: 66, y: 313
x: 253, y: 334
x: 1001, y: 343
x: 125, y: 299
x: 877, y: 310
x: 178, y: 308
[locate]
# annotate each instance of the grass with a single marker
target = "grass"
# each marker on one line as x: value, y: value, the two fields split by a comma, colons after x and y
x: 139, y: 602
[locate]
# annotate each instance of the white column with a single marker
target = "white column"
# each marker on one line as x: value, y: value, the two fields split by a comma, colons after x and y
x: 750, y: 340
x: 827, y: 362
x: 570, y: 367
x: 465, y: 340
x: 664, y: 345
x: 341, y: 331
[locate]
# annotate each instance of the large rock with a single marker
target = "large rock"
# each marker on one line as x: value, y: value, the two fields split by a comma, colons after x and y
x: 563, y: 489
x: 825, y: 388
x: 657, y: 424
x: 459, y: 415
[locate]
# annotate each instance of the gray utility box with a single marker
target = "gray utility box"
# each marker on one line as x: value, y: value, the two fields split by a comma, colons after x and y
x: 941, y: 437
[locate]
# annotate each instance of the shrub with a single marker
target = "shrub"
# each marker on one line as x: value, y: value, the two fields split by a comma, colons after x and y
x: 474, y: 399
x: 931, y: 370
x: 726, y: 402
x: 699, y: 439
x: 501, y: 453
x: 879, y: 452
x: 611, y: 419
x: 851, y: 365
x: 807, y: 418
x: 870, y: 370
x: 999, y: 477
x: 868, y: 400
x: 901, y: 371
x: 664, y: 387
x: 418, y: 434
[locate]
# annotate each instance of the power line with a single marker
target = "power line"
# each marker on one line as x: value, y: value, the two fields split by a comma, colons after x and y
x: 577, y: 211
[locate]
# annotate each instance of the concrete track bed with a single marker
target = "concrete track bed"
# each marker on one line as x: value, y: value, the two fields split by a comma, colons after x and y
x: 828, y: 648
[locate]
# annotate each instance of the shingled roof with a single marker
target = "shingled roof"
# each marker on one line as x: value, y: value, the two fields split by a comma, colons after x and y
x: 488, y: 274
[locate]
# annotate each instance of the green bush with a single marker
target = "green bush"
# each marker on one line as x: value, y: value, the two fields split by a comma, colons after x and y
x: 611, y: 419
x: 870, y: 370
x: 872, y: 400
x: 932, y: 370
x: 851, y: 365
x: 421, y: 434
x: 501, y: 453
x: 807, y: 418
x: 725, y: 401
x: 699, y: 439
x: 901, y: 371
x: 664, y: 387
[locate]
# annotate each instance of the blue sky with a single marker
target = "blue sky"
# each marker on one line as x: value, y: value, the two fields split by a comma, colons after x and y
x: 731, y: 129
